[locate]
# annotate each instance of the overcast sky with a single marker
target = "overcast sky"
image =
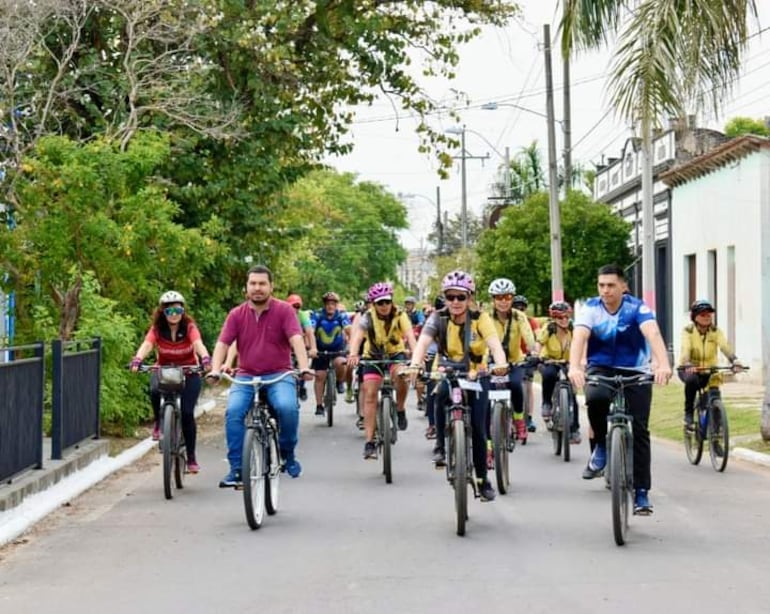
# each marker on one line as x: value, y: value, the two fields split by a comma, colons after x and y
x: 507, y: 66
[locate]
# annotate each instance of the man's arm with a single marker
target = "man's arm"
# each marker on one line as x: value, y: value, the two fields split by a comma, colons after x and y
x: 660, y: 363
x: 218, y: 357
x: 577, y: 374
x: 298, y: 346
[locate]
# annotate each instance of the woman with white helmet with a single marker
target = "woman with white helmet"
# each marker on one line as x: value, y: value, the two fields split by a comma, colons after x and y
x: 177, y: 341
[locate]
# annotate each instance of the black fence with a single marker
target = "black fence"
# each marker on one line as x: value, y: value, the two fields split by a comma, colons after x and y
x: 22, y: 384
x: 76, y: 372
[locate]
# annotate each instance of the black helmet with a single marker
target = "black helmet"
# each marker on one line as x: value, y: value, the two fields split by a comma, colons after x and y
x: 439, y: 303
x: 700, y: 306
x: 520, y: 299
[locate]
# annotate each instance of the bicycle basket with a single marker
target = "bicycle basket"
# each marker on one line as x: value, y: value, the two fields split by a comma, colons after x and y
x: 170, y: 379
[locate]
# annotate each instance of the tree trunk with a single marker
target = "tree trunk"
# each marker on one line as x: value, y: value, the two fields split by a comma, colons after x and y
x: 69, y: 306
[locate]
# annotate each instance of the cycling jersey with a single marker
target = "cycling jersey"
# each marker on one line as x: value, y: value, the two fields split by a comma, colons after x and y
x: 551, y: 346
x: 329, y: 330
x: 179, y: 351
x: 304, y: 318
x: 515, y: 334
x: 451, y: 336
x: 702, y: 349
x: 616, y: 338
x: 384, y: 338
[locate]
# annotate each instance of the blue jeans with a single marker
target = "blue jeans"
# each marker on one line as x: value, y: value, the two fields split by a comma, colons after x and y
x: 282, y: 397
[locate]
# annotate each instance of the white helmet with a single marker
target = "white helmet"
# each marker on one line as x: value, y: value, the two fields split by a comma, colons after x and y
x: 171, y: 297
x: 502, y: 286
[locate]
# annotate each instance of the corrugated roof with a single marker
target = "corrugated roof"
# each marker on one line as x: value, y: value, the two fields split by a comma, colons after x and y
x: 726, y: 153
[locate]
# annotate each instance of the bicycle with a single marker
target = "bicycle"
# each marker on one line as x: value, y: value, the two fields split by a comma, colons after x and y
x: 457, y: 437
x: 619, y: 472
x: 386, y: 430
x: 711, y: 425
x: 171, y: 382
x: 330, y: 386
x: 501, y: 421
x: 563, y: 407
x: 261, y: 462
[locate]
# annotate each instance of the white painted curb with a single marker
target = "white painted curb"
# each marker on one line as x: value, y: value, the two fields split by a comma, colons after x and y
x: 750, y: 455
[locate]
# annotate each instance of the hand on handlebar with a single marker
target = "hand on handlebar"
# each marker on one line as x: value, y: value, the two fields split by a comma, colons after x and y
x: 577, y: 376
x: 662, y: 375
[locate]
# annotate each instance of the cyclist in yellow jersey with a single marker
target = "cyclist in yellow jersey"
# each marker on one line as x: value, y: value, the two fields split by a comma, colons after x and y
x: 514, y: 331
x: 701, y: 343
x: 382, y: 330
x: 464, y: 335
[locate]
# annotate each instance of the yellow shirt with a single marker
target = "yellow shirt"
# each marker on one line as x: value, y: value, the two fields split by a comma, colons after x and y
x: 702, y: 350
x: 482, y: 329
x: 520, y: 329
x: 552, y: 347
x: 388, y: 337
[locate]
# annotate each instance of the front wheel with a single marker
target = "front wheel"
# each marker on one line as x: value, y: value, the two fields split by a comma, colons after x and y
x: 168, y: 447
x: 459, y: 462
x: 500, y: 432
x: 619, y: 483
x: 273, y: 480
x: 330, y: 395
x: 566, y: 421
x: 556, y: 438
x: 718, y: 435
x: 253, y: 475
x: 693, y: 441
x: 385, y: 423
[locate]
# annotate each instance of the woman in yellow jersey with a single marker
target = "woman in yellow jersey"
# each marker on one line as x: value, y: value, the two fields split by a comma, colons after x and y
x: 515, y: 332
x: 555, y: 341
x: 382, y: 329
x: 463, y: 336
x: 701, y: 343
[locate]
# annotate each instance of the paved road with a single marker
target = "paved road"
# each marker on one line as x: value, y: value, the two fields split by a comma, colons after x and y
x: 344, y: 541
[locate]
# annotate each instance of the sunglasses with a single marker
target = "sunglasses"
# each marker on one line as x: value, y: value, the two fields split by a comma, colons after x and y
x: 504, y: 297
x: 385, y: 301
x: 173, y: 311
x: 297, y: 306
x: 456, y: 297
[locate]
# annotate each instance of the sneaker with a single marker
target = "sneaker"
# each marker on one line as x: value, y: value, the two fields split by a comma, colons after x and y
x: 531, y: 424
x: 642, y: 505
x: 688, y: 422
x: 192, y: 465
x: 430, y: 432
x: 402, y: 421
x: 231, y: 480
x: 547, y: 410
x: 360, y: 423
x: 486, y: 491
x: 490, y: 457
x: 341, y: 387
x: 574, y: 437
x: 421, y: 406
x: 370, y: 450
x: 521, y: 430
x: 156, y: 432
x: 349, y: 398
x: 303, y: 394
x: 596, y: 463
x: 439, y: 457
x: 319, y: 410
x: 718, y: 450
x: 293, y: 468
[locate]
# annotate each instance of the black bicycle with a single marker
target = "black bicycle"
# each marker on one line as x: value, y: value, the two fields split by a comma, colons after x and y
x: 171, y: 382
x: 711, y: 424
x: 501, y: 422
x: 563, y: 407
x: 330, y: 387
x: 619, y: 472
x: 261, y: 462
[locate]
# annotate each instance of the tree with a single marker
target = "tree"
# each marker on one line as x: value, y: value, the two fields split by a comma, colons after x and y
x: 519, y: 247
x: 452, y: 233
x: 738, y: 126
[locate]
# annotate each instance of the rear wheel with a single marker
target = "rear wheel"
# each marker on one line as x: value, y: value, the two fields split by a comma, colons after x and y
x: 273, y: 481
x: 253, y: 475
x: 693, y: 441
x: 621, y: 494
x: 385, y: 420
x: 556, y: 438
x: 180, y: 455
x: 460, y: 471
x: 330, y: 394
x: 500, y: 431
x: 167, y: 445
x: 566, y: 420
x: 718, y: 435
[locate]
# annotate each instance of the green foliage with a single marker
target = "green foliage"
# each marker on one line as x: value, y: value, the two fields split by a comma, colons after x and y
x: 738, y: 126
x: 519, y: 247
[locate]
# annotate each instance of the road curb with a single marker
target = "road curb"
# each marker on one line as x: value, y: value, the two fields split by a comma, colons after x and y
x: 34, y: 508
x: 752, y: 456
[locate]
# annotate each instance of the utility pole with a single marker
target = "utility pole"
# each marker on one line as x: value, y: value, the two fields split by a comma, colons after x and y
x: 557, y: 286
x: 566, y: 126
x: 464, y: 179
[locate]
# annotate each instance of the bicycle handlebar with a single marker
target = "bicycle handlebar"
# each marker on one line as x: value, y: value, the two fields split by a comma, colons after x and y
x: 714, y: 369
x: 144, y: 368
x: 619, y: 381
x: 256, y: 380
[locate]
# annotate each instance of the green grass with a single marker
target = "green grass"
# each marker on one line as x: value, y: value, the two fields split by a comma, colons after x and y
x: 668, y: 409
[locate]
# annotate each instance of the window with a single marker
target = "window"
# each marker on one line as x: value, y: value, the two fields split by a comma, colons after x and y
x: 690, y: 285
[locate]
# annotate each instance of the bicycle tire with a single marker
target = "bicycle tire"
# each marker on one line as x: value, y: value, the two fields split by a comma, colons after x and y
x: 556, y: 439
x: 386, y: 420
x: 460, y: 474
x: 500, y: 446
x: 180, y: 453
x: 566, y: 421
x: 167, y: 447
x: 253, y: 476
x: 619, y: 485
x: 720, y: 437
x: 273, y: 481
x: 329, y: 394
x: 693, y: 441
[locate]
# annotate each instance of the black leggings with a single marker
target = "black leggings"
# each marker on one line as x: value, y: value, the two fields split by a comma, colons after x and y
x: 190, y: 394
x: 550, y: 375
x: 692, y: 383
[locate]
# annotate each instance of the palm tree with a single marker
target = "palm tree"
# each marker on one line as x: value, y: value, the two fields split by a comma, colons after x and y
x: 671, y: 56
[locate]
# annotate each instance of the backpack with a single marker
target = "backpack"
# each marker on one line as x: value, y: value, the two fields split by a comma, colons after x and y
x: 465, y: 333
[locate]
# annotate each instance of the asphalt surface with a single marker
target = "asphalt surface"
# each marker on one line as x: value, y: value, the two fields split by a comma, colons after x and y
x: 344, y: 541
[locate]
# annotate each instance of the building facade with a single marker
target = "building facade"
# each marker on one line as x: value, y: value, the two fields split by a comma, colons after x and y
x: 415, y: 273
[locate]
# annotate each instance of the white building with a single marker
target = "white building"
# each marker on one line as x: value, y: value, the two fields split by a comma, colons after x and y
x: 720, y: 225
x: 416, y: 271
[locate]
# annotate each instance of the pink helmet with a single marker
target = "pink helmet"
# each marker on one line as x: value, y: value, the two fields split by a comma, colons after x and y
x: 458, y: 280
x: 379, y: 290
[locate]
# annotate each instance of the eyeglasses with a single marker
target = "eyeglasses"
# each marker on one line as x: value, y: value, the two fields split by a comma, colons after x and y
x: 173, y: 311
x: 385, y: 301
x: 456, y: 297
x: 296, y: 306
x: 503, y: 297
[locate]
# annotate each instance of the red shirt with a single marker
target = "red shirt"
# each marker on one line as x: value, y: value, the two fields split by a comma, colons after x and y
x: 535, y: 327
x: 178, y: 352
x: 263, y: 338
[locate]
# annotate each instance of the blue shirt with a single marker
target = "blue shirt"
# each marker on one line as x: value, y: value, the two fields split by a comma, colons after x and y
x: 616, y: 338
x: 329, y: 330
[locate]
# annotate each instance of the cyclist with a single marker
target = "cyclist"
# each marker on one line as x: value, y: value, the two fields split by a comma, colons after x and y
x: 619, y: 331
x: 427, y: 388
x: 520, y: 302
x: 332, y: 329
x: 177, y: 341
x: 416, y: 317
x: 267, y: 331
x: 701, y: 343
x: 515, y: 332
x: 555, y: 341
x: 463, y: 336
x: 295, y: 300
x: 382, y: 330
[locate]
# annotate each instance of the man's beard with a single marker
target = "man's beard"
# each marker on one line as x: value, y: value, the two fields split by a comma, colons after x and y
x: 259, y: 302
